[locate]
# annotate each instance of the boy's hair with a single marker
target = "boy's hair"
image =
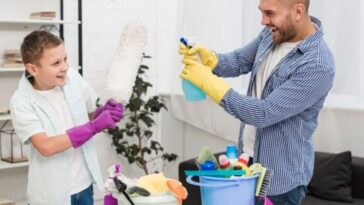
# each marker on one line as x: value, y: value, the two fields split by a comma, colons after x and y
x: 33, y: 46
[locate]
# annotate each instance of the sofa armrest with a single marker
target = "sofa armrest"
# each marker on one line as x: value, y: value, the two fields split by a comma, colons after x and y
x: 194, y: 196
x: 357, y: 183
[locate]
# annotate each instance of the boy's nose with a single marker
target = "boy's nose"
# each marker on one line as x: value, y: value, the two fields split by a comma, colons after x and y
x: 64, y: 67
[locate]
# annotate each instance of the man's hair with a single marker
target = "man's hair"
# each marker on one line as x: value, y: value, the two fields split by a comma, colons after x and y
x: 306, y: 3
x: 34, y: 44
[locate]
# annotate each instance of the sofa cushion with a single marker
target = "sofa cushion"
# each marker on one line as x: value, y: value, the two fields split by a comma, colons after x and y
x: 332, y: 177
x: 312, y: 200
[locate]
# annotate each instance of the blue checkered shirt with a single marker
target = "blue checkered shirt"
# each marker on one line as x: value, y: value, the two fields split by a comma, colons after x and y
x: 286, y: 115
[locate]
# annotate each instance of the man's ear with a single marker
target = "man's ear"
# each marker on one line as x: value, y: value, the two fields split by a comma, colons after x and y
x: 31, y: 68
x: 300, y: 11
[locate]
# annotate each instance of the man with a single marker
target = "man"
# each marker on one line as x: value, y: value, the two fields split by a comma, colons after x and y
x: 292, y: 71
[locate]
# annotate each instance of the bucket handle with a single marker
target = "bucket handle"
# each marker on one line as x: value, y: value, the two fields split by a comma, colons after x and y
x: 190, y: 181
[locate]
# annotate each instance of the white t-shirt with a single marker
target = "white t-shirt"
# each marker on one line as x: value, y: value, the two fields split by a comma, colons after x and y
x: 273, y: 58
x: 80, y: 177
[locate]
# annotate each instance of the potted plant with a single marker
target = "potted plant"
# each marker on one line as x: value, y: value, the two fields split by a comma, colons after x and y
x: 133, y: 139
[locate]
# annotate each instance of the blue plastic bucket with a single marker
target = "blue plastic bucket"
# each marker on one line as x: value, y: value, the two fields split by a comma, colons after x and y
x: 226, y: 191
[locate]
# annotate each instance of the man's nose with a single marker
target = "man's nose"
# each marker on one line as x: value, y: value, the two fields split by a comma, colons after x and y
x: 265, y: 20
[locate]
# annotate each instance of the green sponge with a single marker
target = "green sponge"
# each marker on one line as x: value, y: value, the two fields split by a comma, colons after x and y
x: 206, y: 154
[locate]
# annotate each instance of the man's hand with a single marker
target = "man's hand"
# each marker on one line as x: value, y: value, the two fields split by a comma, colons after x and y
x: 202, y: 76
x: 207, y: 56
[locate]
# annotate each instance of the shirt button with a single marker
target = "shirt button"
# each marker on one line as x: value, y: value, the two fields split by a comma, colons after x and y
x: 260, y: 60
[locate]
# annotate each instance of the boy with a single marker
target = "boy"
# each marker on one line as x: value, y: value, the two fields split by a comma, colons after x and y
x: 50, y: 110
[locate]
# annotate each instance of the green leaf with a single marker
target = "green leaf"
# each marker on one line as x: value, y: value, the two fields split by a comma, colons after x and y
x: 154, y: 104
x: 148, y: 133
x: 169, y: 157
x: 156, y: 146
x: 131, y: 160
x: 146, y: 150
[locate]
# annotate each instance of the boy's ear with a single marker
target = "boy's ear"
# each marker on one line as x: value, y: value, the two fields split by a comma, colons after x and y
x: 31, y: 68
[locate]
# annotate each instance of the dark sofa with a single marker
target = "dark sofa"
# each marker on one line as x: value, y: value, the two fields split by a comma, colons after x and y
x: 194, y: 197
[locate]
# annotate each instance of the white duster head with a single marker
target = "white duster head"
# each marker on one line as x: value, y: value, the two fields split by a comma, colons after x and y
x: 124, y: 67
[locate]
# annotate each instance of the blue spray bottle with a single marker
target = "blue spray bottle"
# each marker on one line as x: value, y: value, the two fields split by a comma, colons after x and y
x: 191, y: 92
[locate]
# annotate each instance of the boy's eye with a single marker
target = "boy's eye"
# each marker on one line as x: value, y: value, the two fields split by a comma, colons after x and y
x: 56, y: 63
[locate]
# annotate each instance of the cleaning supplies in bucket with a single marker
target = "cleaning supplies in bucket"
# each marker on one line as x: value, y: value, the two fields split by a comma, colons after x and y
x: 232, y: 178
x: 227, y: 191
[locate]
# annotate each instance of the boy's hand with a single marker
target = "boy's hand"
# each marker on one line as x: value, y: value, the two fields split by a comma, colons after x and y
x: 81, y: 134
x: 110, y: 105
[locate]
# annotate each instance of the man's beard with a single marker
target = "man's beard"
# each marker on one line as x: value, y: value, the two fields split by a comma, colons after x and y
x: 285, y: 34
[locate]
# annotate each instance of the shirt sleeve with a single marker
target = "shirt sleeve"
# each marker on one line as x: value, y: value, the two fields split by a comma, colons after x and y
x: 301, y: 91
x: 25, y: 120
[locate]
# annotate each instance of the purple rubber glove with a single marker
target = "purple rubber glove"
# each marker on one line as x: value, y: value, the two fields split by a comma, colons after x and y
x: 81, y: 134
x: 111, y: 105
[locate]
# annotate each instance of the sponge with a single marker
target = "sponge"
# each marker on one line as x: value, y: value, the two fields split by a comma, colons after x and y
x: 207, y: 155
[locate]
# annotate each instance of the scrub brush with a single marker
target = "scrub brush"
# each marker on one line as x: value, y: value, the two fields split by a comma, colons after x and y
x: 137, y: 191
x: 121, y: 187
x: 265, y: 176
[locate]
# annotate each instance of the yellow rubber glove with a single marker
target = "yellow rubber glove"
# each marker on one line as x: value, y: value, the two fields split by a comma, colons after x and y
x: 207, y: 56
x: 202, y: 76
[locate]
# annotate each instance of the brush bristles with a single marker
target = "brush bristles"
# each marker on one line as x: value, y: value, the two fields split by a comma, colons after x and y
x: 265, y: 183
x: 124, y: 67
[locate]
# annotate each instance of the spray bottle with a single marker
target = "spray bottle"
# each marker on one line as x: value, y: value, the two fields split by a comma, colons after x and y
x: 191, y: 92
x: 108, y: 198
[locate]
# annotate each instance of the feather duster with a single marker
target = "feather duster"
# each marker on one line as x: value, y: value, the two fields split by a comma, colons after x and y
x: 124, y: 67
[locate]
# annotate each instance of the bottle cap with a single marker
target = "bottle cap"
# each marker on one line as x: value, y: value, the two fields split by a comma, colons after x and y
x: 223, y: 162
x: 242, y: 160
x: 117, y: 168
x: 208, y: 165
x: 231, y: 152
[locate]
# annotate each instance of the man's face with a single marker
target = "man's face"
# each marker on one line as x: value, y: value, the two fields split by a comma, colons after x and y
x: 277, y: 15
x: 52, y: 68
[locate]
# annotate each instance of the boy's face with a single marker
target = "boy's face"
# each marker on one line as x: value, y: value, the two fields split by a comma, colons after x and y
x: 51, y: 70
